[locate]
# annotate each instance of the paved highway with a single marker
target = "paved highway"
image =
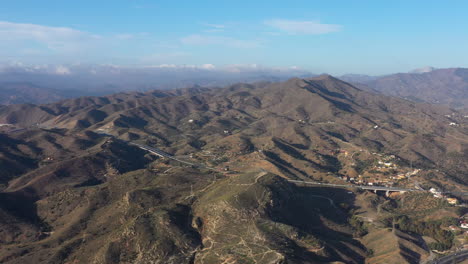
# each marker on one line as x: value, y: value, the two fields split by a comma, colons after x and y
x: 363, y: 187
x: 166, y: 155
x: 161, y: 153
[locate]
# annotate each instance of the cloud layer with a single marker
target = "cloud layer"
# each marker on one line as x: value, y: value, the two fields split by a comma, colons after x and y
x: 197, y: 39
x: 302, y: 27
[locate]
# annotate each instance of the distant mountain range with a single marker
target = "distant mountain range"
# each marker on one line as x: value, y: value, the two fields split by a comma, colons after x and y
x: 423, y: 70
x: 45, y: 84
x: 53, y: 83
x: 23, y: 92
x: 439, y: 86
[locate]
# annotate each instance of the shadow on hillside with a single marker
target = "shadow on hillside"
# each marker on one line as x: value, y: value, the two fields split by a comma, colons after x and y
x: 315, y: 215
x: 22, y: 205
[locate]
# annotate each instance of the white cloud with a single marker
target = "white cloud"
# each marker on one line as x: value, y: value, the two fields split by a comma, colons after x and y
x: 230, y: 68
x: 106, y: 69
x: 54, y: 38
x: 38, y: 68
x: 196, y: 39
x: 237, y: 68
x: 38, y: 43
x: 217, y: 26
x: 302, y: 27
x: 11, y: 30
x: 213, y: 30
x: 208, y: 66
x: 62, y: 70
x: 182, y: 66
x: 163, y: 66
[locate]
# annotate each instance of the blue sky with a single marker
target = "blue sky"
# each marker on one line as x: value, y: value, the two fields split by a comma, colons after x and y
x: 337, y: 37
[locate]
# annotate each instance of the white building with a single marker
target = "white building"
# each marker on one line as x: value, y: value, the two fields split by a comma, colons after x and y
x: 436, y: 193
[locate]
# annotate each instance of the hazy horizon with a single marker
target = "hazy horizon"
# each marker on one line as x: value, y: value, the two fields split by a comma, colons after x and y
x: 65, y: 69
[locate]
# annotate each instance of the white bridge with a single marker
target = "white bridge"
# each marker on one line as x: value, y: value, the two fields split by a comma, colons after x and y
x: 387, y: 190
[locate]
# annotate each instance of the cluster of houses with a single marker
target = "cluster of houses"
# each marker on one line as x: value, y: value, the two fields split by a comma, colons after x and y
x: 452, y: 117
x: 360, y: 180
x: 375, y: 176
x: 438, y: 194
x: 384, y: 173
x: 6, y: 126
x: 464, y: 222
x: 406, y: 175
x: 384, y: 164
